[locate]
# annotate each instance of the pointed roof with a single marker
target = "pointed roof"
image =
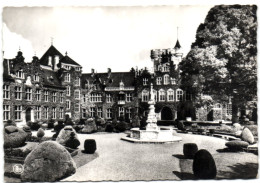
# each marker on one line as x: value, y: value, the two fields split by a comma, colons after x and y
x: 68, y: 60
x: 177, y: 45
x: 52, y: 51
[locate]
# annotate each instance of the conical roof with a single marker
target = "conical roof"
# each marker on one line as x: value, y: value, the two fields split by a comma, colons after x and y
x: 177, y: 45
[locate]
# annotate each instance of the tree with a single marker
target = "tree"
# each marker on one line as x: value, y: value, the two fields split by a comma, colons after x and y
x: 222, y: 60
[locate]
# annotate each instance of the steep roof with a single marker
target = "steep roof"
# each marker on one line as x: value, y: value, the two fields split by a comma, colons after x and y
x: 52, y: 51
x: 177, y: 45
x: 50, y: 78
x: 68, y: 60
x: 113, y: 81
x: 6, y: 75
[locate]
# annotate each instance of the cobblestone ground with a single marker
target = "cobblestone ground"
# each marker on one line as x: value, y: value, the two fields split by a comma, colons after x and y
x: 121, y: 160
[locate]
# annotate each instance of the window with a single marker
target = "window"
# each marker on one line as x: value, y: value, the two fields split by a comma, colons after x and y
x: 61, y: 113
x: 99, y: 112
x: 38, y: 112
x: 77, y: 94
x: 109, y: 98
x: 96, y: 97
x: 145, y: 95
x: 128, y: 113
x: 121, y: 111
x: 129, y: 97
x: 17, y: 112
x: 188, y: 96
x: 68, y: 90
x: 179, y: 95
x: 165, y: 68
x: 145, y: 81
x: 159, y: 80
x: 54, y: 113
x: 77, y: 81
x: 67, y: 77
x: 67, y: 104
x: 6, y: 109
x: 38, y: 95
x: 84, y: 98
x: 50, y: 61
x: 46, y: 96
x: 28, y: 94
x: 76, y: 108
x: 155, y: 95
x: 166, y: 79
x: 54, y: 96
x: 20, y: 74
x: 46, y: 112
x: 6, y: 89
x: 84, y: 113
x: 36, y: 78
x: 61, y: 97
x: 229, y: 109
x: 77, y: 68
x: 170, y: 95
x: 161, y: 95
x: 109, y: 113
x: 18, y: 93
x: 92, y: 111
x: 67, y: 67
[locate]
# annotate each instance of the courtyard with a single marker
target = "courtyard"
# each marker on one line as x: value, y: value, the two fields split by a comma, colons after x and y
x: 120, y: 160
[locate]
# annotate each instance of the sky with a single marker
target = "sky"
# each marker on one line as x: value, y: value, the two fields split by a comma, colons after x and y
x: 101, y: 37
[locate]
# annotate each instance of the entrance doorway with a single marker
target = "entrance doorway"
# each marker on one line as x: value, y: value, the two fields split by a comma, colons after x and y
x: 166, y: 114
x: 28, y: 116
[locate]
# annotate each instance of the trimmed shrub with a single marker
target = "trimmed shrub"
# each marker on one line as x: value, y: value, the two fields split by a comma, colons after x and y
x: 35, y: 126
x: 121, y: 126
x: 189, y: 150
x: 11, y: 129
x: 237, y: 145
x: 40, y: 133
x: 72, y: 142
x: 109, y: 128
x: 204, y: 166
x: 247, y: 136
x: 51, y: 123
x: 211, y: 131
x: 90, y: 146
x: 59, y: 127
x: 181, y: 126
x: 9, y: 123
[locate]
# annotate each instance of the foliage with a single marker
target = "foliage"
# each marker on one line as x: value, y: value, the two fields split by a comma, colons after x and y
x: 189, y: 150
x: 237, y: 145
x: 222, y: 60
x: 90, y: 146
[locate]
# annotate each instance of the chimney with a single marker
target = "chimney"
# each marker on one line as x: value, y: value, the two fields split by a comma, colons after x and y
x: 108, y: 72
x: 92, y: 71
x: 8, y: 67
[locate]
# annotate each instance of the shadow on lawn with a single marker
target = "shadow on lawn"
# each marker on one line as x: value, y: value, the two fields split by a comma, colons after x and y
x: 184, y: 175
x: 240, y: 171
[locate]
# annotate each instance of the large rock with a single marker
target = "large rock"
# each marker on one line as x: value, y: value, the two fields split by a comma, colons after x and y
x: 247, y: 136
x: 65, y: 135
x: 15, y: 137
x: 48, y: 162
x: 90, y: 126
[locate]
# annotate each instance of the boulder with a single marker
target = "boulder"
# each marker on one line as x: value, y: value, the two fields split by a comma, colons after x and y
x: 90, y: 126
x: 247, y: 136
x: 14, y: 139
x: 204, y: 166
x: 65, y: 135
x: 48, y: 162
x: 237, y: 145
x: 11, y: 129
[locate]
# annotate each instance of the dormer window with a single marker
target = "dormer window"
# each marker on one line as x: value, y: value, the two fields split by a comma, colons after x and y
x: 145, y: 81
x: 166, y: 79
x: 67, y: 67
x: 36, y: 78
x: 20, y: 74
x: 159, y: 80
x: 77, y: 68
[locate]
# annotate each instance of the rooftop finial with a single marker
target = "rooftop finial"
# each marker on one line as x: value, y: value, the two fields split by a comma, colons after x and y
x: 66, y: 53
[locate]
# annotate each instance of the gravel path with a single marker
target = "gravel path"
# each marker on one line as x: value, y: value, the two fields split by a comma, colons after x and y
x: 121, y: 160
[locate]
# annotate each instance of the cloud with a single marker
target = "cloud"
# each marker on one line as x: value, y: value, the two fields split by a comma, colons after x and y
x: 11, y: 43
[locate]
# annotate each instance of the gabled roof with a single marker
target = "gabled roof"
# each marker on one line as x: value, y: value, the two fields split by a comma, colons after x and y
x: 177, y: 45
x: 68, y: 60
x: 113, y: 81
x: 52, y: 51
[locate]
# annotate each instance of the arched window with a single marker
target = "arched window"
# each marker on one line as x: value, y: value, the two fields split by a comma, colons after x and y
x: 145, y: 96
x: 170, y: 95
x: 166, y: 79
x: 161, y: 95
x: 159, y: 80
x: 179, y: 95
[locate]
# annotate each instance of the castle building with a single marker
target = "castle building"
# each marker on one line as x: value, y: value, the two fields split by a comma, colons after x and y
x: 54, y: 86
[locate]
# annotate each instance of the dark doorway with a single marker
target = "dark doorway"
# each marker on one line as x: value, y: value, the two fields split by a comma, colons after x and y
x: 28, y: 114
x: 166, y: 114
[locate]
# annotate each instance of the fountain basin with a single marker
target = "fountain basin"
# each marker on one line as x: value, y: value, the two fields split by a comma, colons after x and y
x: 161, y: 135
